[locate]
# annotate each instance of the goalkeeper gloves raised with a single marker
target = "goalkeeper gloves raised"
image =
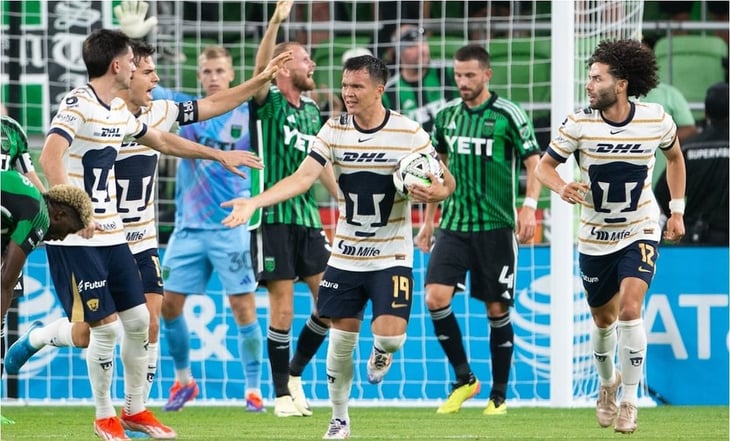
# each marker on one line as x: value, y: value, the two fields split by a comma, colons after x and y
x: 131, y: 15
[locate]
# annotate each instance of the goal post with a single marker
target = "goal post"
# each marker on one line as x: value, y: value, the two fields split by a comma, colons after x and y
x: 538, y: 53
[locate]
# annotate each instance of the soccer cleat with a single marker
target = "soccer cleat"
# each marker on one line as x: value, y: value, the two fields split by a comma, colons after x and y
x: 297, y: 395
x: 146, y: 422
x: 339, y: 429
x: 626, y: 419
x: 179, y: 395
x: 284, y: 407
x: 110, y: 429
x: 378, y: 366
x: 606, y: 408
x: 254, y: 403
x: 460, y: 392
x: 20, y: 352
x: 495, y: 406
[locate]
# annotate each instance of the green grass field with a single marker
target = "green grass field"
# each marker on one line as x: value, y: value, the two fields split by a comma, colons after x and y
x: 387, y: 423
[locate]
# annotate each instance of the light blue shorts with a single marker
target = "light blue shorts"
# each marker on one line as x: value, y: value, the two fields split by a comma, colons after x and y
x: 193, y: 254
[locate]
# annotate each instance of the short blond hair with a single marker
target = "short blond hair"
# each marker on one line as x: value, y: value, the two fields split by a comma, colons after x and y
x: 75, y: 198
x: 213, y: 52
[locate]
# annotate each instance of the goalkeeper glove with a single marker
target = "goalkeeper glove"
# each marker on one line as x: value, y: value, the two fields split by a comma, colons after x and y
x: 130, y: 14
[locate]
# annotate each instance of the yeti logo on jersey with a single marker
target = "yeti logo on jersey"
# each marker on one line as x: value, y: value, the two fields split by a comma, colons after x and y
x: 465, y: 145
x: 301, y: 141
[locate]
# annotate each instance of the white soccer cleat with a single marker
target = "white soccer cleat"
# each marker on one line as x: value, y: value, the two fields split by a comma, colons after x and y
x: 339, y: 429
x: 297, y: 395
x: 378, y: 365
x: 284, y: 407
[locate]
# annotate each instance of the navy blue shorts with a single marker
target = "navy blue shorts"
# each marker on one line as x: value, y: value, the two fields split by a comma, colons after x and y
x: 288, y: 252
x: 488, y: 256
x: 602, y: 275
x: 344, y: 294
x: 148, y: 262
x: 95, y: 282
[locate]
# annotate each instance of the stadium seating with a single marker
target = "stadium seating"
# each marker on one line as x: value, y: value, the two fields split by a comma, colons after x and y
x: 691, y: 63
x: 521, y: 71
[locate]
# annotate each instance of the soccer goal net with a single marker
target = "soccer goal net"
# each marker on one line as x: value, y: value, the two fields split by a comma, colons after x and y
x: 42, y: 61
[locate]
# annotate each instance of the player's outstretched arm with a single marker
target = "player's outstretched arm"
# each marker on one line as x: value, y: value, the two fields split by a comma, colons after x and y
x: 526, y: 222
x: 227, y: 100
x: 131, y: 15
x: 13, y: 262
x: 293, y: 185
x: 174, y: 145
x: 268, y: 41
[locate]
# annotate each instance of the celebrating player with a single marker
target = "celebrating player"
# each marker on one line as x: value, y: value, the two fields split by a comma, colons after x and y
x: 289, y: 243
x: 374, y: 221
x: 619, y: 223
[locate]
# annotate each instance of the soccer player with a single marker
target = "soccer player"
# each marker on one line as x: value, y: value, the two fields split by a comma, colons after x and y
x: 614, y: 141
x: 372, y: 258
x: 15, y: 154
x: 136, y: 175
x: 289, y: 242
x: 484, y: 138
x: 29, y: 217
x: 95, y: 275
x: 199, y: 244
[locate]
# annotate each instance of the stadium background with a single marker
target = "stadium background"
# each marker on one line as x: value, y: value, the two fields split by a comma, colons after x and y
x: 687, y: 316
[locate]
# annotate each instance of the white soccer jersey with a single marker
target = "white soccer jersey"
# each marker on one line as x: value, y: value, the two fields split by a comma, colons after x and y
x: 136, y: 172
x: 617, y: 162
x: 374, y: 225
x: 95, y: 132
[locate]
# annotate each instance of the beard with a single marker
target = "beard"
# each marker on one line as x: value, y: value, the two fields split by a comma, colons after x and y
x: 471, y: 94
x: 604, y: 100
x: 303, y: 83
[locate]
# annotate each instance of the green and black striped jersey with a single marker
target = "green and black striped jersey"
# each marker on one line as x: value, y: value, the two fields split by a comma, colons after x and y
x: 282, y: 135
x: 485, y: 147
x: 14, y: 143
x: 24, y: 218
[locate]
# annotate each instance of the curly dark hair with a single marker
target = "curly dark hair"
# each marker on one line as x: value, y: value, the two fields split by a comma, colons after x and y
x: 628, y: 60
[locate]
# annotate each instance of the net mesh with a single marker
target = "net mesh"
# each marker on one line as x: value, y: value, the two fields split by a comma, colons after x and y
x: 42, y: 61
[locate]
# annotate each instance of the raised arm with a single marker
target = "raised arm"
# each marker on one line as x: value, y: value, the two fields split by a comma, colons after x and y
x: 227, y: 100
x: 293, y: 185
x: 268, y: 41
x: 171, y: 144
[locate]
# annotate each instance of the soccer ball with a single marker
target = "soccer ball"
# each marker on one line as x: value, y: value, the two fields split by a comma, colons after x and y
x: 412, y: 169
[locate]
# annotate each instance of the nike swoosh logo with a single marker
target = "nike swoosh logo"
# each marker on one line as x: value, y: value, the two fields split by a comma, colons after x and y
x: 634, y: 352
x: 644, y: 270
x: 615, y: 132
x: 398, y: 305
x: 364, y: 139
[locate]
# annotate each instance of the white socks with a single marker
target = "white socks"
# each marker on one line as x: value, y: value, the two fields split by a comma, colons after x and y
x: 603, y: 341
x: 632, y: 352
x: 57, y: 333
x: 340, y: 370
x: 100, y: 366
x: 134, y: 356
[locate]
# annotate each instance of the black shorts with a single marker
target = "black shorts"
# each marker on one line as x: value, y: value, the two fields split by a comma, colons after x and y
x: 344, y: 294
x: 490, y: 257
x: 602, y: 275
x: 148, y: 262
x: 288, y: 252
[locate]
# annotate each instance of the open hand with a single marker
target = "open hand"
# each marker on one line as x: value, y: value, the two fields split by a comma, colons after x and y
x: 242, y: 211
x: 131, y: 15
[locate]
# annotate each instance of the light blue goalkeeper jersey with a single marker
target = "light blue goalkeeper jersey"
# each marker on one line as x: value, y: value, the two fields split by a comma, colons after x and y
x: 201, y: 185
